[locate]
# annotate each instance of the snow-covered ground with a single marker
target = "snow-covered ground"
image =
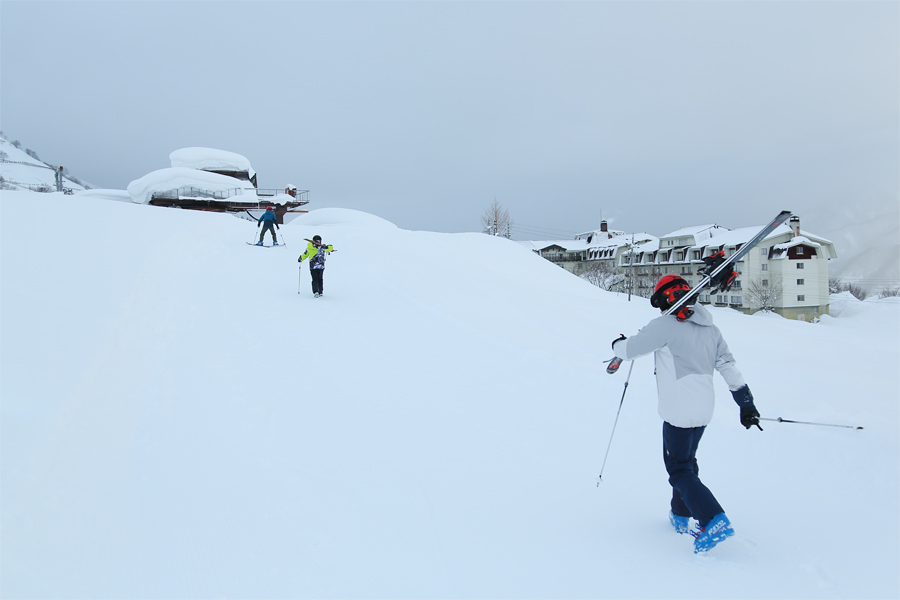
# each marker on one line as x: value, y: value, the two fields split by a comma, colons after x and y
x: 179, y: 422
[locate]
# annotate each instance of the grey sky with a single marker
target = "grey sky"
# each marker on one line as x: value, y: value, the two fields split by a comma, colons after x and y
x: 660, y: 115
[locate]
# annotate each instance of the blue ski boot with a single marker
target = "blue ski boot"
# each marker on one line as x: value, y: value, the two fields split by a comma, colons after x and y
x: 259, y: 243
x: 274, y: 243
x: 681, y: 524
x: 715, y: 532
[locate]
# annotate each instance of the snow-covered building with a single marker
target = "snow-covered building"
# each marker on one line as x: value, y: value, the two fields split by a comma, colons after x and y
x: 603, y: 247
x: 787, y: 271
x: 213, y: 180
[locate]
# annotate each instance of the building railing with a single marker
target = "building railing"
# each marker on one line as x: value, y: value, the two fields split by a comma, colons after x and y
x: 190, y: 192
x: 194, y: 192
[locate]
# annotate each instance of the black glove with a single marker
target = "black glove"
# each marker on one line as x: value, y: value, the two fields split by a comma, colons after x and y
x: 277, y: 227
x: 749, y: 414
x: 750, y: 417
x: 621, y: 337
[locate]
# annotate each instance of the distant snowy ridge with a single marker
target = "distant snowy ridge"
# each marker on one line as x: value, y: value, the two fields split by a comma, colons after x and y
x: 22, y: 169
x: 868, y: 246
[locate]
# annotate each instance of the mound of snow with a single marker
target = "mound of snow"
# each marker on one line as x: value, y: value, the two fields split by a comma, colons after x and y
x: 342, y: 216
x: 210, y: 159
x: 141, y: 190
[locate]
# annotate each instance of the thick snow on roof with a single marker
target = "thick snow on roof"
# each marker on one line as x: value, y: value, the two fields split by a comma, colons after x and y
x: 597, y: 233
x: 700, y: 232
x: 210, y: 159
x: 800, y: 240
x: 744, y: 234
x: 567, y: 245
x: 173, y: 178
x: 642, y: 242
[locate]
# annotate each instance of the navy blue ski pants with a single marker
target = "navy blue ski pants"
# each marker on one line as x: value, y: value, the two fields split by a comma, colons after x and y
x: 690, y: 498
x: 318, y: 285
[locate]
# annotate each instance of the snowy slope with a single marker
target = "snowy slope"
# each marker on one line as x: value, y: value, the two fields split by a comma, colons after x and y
x: 22, y: 171
x: 867, y: 240
x: 178, y: 421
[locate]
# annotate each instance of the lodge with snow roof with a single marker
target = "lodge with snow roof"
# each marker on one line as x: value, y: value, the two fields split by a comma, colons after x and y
x: 793, y: 264
x: 208, y: 179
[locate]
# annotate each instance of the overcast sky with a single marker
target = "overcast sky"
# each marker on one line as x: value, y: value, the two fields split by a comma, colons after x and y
x: 654, y: 115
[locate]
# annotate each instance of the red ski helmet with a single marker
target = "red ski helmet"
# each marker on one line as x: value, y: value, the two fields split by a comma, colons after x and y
x: 668, y: 290
x: 270, y: 208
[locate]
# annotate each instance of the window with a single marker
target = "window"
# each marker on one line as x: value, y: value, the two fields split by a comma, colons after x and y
x: 764, y: 252
x: 801, y: 298
x: 736, y: 300
x: 800, y: 250
x: 800, y: 281
x: 765, y: 283
x: 765, y: 267
x: 799, y: 265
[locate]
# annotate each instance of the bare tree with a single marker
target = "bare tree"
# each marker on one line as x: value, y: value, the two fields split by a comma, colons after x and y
x: 496, y: 220
x: 602, y: 275
x: 857, y: 290
x: 764, y: 293
x: 836, y: 285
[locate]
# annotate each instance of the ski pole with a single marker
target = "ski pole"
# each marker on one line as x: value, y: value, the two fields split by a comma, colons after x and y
x: 616, y: 422
x: 780, y: 420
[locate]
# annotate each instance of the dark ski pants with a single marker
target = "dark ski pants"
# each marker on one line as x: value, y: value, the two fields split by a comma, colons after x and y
x: 268, y: 227
x: 317, y: 284
x: 690, y: 498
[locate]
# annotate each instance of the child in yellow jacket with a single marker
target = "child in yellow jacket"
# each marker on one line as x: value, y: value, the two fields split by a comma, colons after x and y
x: 315, y: 252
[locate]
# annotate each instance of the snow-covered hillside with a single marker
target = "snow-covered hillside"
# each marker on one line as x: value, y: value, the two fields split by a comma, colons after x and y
x: 867, y: 239
x: 178, y: 421
x: 22, y: 171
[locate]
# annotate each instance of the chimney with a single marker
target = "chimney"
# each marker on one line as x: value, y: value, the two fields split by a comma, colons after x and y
x: 603, y: 226
x: 795, y: 225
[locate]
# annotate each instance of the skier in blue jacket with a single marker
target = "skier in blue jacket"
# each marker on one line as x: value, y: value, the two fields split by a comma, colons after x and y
x: 687, y: 349
x: 271, y: 224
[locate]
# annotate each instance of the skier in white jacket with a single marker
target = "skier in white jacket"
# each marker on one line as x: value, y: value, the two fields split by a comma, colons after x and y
x: 688, y: 348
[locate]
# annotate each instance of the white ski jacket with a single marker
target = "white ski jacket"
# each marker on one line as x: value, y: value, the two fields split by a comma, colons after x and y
x: 686, y: 354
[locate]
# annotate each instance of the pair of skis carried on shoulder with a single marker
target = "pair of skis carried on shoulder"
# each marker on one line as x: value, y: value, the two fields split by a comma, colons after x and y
x: 718, y: 274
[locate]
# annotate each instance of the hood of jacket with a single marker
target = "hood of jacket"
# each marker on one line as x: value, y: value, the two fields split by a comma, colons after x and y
x: 701, y: 316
